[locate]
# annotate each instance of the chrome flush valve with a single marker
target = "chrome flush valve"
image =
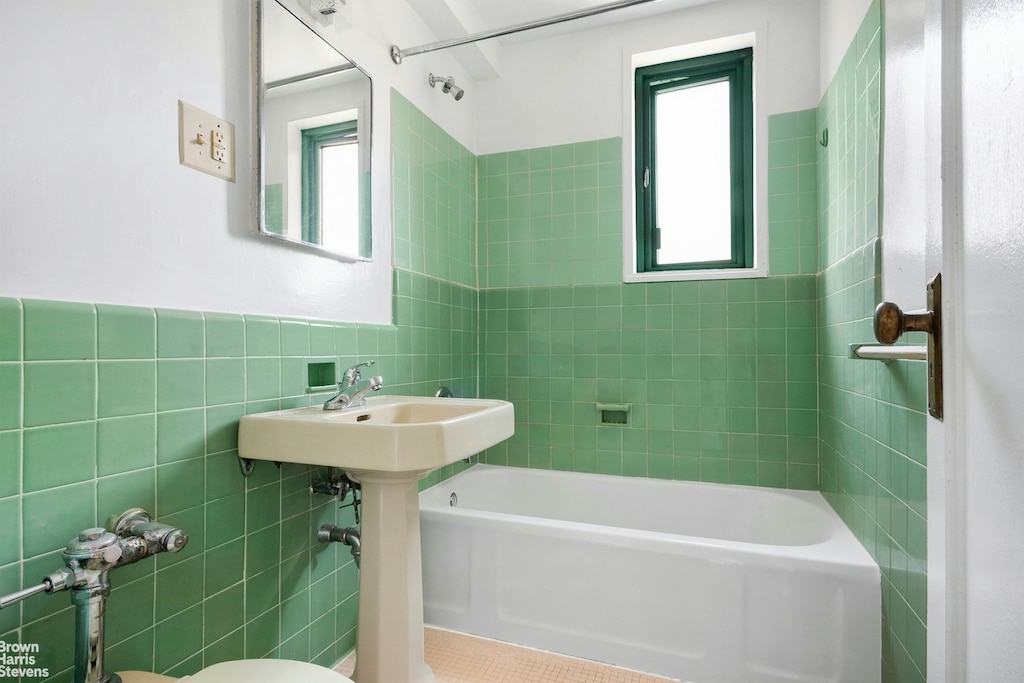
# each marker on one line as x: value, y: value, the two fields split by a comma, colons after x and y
x: 89, y: 558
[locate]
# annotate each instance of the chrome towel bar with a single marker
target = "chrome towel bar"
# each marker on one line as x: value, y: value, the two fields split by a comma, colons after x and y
x: 887, y: 353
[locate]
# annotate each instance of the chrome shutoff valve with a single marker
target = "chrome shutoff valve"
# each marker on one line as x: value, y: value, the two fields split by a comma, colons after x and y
x: 142, y: 537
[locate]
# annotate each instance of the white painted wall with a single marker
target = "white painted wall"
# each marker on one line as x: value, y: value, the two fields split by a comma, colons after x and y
x: 93, y: 203
x: 839, y: 21
x: 570, y: 87
x: 946, y: 438
x: 904, y: 174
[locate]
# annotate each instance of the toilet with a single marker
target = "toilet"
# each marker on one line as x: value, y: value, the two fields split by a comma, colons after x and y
x: 246, y: 671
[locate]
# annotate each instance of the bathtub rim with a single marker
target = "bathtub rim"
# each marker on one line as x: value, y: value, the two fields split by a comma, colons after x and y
x: 841, y: 548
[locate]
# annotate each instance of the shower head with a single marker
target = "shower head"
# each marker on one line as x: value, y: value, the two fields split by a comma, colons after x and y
x: 447, y: 85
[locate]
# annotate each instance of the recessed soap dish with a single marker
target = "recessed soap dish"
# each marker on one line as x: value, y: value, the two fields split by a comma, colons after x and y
x: 321, y: 377
x: 614, y: 413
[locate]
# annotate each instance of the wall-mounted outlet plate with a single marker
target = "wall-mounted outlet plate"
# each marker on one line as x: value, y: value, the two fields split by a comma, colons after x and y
x: 205, y: 142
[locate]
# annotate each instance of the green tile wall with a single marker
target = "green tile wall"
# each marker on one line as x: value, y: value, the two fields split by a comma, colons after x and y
x: 105, y: 407
x: 720, y: 375
x: 793, y: 193
x: 273, y: 208
x: 872, y: 415
x: 434, y: 199
x: 551, y: 215
x: 436, y: 302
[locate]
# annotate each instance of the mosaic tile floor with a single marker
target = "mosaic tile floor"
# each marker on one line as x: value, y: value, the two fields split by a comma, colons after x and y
x: 460, y: 658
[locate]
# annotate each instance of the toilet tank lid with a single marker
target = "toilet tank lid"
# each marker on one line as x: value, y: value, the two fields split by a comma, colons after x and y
x: 265, y: 671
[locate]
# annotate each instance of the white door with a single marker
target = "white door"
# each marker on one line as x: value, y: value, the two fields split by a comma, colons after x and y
x: 976, y: 457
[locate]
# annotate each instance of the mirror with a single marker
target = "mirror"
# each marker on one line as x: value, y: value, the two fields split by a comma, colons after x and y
x: 313, y: 130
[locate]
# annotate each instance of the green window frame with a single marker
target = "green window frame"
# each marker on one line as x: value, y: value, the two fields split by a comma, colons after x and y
x: 313, y: 141
x: 736, y: 68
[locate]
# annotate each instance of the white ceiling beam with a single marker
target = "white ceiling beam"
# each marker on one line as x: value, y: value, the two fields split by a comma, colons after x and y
x: 456, y: 18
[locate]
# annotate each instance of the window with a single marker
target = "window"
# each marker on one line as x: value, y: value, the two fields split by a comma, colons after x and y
x: 694, y: 164
x: 330, y: 186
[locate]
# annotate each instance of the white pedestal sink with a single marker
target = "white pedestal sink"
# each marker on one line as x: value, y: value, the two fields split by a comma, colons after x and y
x: 388, y: 445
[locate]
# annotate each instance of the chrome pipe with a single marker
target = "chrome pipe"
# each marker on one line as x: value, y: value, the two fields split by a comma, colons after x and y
x: 328, y: 533
x: 90, y: 557
x: 398, y: 54
x: 90, y: 610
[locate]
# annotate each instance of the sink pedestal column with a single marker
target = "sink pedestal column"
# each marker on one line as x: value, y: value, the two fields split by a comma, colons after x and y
x: 389, y: 639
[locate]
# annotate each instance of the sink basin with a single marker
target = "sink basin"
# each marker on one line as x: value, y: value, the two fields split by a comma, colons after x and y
x: 389, y: 434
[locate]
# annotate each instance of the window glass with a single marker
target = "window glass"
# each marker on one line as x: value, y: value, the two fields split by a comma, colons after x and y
x: 693, y: 185
x: 339, y: 197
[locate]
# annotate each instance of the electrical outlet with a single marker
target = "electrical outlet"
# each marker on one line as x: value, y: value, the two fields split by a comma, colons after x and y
x: 205, y: 142
x: 217, y: 149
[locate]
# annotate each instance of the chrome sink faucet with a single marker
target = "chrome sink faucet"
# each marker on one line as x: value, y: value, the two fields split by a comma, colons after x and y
x: 349, y: 395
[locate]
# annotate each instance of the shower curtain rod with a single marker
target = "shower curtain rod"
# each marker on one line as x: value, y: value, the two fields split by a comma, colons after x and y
x: 312, y: 74
x: 398, y: 54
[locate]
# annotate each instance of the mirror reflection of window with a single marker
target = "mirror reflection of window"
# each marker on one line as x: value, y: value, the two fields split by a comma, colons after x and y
x: 339, y: 197
x: 330, y: 182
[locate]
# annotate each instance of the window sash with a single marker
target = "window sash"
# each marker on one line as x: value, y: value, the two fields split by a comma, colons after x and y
x: 737, y: 69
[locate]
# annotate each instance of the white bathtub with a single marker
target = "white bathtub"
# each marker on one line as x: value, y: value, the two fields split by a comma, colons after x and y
x: 697, y: 582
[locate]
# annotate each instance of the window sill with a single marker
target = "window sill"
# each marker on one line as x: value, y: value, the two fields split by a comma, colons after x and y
x: 690, y: 275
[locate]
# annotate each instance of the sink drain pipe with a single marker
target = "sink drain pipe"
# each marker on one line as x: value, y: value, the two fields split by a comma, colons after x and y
x: 329, y: 533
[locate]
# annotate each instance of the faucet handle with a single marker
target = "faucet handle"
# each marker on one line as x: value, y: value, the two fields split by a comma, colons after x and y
x: 352, y: 374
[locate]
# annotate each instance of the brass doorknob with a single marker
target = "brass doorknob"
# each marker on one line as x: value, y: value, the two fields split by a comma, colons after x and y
x: 891, y: 322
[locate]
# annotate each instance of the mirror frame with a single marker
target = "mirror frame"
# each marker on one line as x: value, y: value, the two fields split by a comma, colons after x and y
x: 258, y: 204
